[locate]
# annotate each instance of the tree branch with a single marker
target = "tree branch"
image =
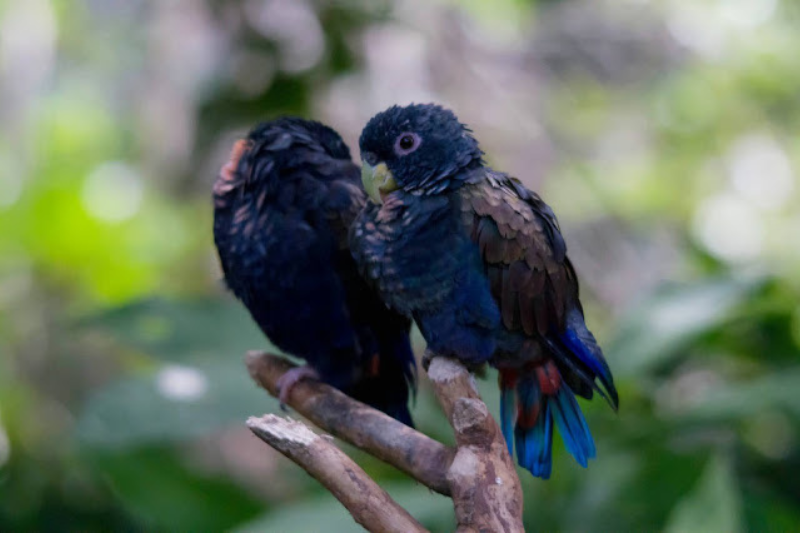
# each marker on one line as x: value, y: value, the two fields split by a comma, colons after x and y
x: 483, y: 481
x: 369, y: 504
x: 366, y: 428
x: 479, y: 475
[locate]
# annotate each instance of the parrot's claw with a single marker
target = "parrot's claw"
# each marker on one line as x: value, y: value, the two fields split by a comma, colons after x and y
x: 427, y: 357
x: 287, y: 381
x: 478, y: 369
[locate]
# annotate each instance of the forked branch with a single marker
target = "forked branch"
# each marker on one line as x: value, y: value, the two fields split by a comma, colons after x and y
x: 477, y: 474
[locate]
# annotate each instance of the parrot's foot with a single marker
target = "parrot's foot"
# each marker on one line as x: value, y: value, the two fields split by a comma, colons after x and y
x: 479, y: 369
x: 427, y: 357
x: 287, y: 381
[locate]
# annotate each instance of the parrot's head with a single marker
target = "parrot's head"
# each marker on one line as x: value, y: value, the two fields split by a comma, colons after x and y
x: 419, y: 148
x: 278, y: 134
x: 283, y: 143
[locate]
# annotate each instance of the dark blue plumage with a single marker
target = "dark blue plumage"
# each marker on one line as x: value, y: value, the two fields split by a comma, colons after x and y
x: 479, y: 262
x: 283, y: 207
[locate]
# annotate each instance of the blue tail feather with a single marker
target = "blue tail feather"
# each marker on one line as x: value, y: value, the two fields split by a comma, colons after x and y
x: 580, y: 341
x: 540, y: 404
x: 508, y: 413
x: 572, y: 426
x: 535, y: 445
x: 534, y: 442
x: 573, y: 342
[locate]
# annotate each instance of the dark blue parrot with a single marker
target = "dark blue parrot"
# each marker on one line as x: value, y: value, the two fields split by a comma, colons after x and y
x: 479, y: 262
x: 283, y: 206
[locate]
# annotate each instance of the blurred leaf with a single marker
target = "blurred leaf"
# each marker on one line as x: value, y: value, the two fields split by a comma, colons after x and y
x: 317, y: 515
x: 210, y: 328
x: 714, y: 504
x: 653, y: 478
x: 174, y: 403
x: 155, y: 487
x: 598, y: 491
x: 769, y: 513
x: 325, y: 514
x: 739, y: 400
x: 433, y: 511
x: 666, y: 322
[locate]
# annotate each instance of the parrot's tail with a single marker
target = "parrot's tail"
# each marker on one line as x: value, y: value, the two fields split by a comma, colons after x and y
x: 531, y: 398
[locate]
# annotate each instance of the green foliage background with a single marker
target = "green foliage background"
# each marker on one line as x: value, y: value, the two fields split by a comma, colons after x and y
x: 665, y: 134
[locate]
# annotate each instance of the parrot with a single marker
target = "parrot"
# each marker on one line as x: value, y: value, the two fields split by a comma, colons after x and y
x: 283, y: 206
x: 480, y: 264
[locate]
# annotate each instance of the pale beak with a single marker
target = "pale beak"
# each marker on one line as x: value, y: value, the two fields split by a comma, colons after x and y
x: 378, y: 181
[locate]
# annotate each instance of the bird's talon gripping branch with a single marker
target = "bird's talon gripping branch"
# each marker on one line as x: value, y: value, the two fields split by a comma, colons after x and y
x: 427, y: 357
x: 362, y: 426
x: 287, y: 382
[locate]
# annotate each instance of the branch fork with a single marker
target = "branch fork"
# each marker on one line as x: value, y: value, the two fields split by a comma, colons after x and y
x: 478, y: 473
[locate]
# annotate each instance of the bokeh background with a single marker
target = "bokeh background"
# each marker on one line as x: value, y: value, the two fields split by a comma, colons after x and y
x: 665, y: 134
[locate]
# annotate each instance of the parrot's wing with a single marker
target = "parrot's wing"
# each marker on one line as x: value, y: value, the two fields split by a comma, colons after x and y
x: 531, y: 278
x: 523, y: 252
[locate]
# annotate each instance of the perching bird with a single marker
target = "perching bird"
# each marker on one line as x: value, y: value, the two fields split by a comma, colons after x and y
x: 283, y: 206
x: 479, y: 262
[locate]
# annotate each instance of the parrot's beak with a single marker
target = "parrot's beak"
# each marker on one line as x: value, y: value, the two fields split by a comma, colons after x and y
x: 378, y: 181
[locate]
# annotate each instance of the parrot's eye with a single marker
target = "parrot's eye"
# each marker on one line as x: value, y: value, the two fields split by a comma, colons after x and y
x: 406, y: 143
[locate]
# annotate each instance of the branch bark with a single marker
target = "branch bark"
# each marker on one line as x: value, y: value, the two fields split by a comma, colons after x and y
x: 478, y: 474
x: 366, y: 428
x: 369, y: 504
x: 483, y: 480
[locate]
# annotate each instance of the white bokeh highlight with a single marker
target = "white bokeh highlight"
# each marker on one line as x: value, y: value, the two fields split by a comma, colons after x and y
x: 746, y: 14
x: 760, y: 171
x: 296, y: 28
x: 729, y: 227
x: 113, y: 192
x: 181, y: 383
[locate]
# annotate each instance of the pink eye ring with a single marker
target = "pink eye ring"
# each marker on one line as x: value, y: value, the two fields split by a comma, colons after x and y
x: 406, y: 143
